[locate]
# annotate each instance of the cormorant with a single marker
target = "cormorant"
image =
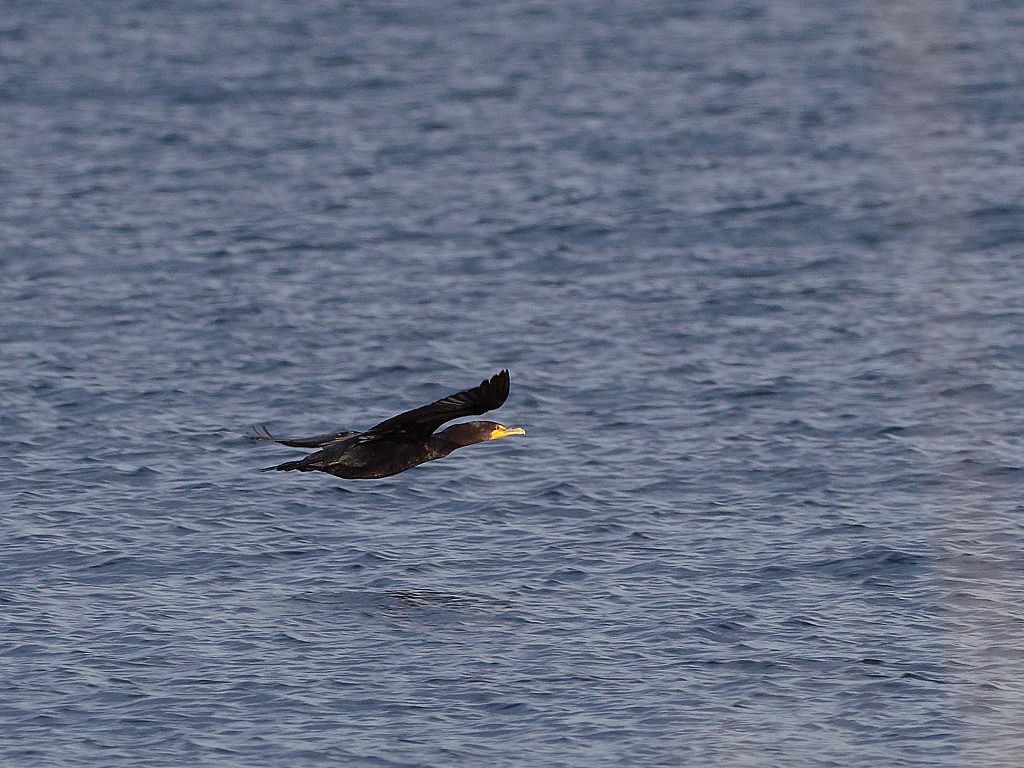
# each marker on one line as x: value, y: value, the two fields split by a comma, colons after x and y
x: 405, y: 440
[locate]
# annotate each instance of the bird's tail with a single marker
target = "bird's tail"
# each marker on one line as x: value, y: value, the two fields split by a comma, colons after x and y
x: 287, y: 467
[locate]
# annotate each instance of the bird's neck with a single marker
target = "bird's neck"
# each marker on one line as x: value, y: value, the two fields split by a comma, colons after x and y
x: 441, y: 445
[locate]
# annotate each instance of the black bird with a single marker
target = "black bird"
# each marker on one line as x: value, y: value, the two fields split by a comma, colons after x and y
x: 405, y: 440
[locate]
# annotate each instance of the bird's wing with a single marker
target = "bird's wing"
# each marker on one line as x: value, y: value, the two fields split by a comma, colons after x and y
x: 418, y: 424
x: 260, y: 432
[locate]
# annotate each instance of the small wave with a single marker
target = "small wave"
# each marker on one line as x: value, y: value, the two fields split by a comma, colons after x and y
x: 876, y: 562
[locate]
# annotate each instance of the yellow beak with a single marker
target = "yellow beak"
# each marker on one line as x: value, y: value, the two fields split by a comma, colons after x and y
x: 506, y: 431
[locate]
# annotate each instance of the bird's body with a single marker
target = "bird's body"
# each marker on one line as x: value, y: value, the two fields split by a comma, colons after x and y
x: 403, y: 441
x: 353, y: 461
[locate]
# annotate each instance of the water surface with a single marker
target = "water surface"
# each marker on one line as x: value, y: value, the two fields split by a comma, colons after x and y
x: 755, y: 271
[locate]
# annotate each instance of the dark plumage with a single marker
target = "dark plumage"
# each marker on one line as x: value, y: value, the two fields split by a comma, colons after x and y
x: 405, y: 440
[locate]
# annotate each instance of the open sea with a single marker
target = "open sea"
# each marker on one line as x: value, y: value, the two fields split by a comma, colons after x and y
x: 757, y: 269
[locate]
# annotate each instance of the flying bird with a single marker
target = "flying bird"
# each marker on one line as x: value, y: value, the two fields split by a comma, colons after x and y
x: 403, y: 441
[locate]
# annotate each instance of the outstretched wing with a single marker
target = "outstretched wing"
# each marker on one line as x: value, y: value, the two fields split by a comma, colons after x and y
x: 260, y: 432
x: 418, y: 424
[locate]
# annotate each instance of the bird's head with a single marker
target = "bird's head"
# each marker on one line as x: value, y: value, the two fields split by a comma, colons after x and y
x: 478, y: 432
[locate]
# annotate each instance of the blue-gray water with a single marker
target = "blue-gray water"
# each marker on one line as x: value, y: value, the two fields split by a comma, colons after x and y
x: 756, y: 270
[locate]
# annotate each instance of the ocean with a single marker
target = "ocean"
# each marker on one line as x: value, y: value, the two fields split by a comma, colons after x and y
x: 755, y: 269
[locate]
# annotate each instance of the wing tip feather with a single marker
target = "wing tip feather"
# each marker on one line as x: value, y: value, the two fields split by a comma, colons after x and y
x: 500, y: 383
x: 259, y: 432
